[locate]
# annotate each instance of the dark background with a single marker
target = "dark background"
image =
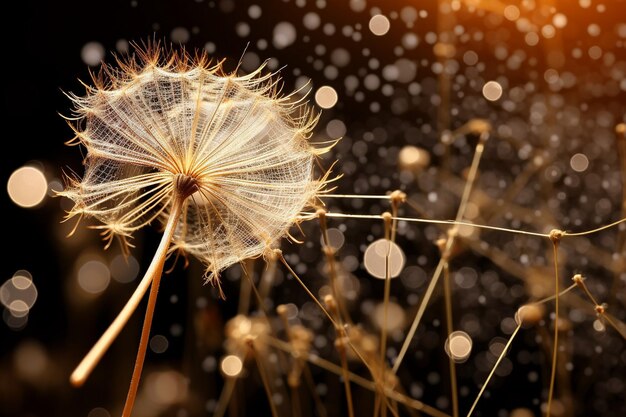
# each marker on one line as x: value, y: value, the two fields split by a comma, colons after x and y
x: 42, y: 59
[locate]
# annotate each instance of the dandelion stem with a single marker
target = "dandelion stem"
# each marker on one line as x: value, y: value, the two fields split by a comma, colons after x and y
x: 555, y: 246
x: 330, y: 252
x: 600, y: 309
x: 449, y: 326
x: 364, y: 196
x: 598, y: 229
x: 89, y: 362
x: 313, y: 297
x: 345, y: 374
x: 156, y: 270
x: 225, y: 396
x: 266, y: 382
x: 389, y: 236
x: 409, y: 402
x: 493, y: 370
x: 445, y: 253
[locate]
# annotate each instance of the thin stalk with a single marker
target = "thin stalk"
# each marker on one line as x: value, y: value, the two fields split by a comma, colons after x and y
x: 313, y: 297
x: 295, y: 401
x: 448, y: 302
x: 330, y: 252
x: 471, y: 177
x: 245, y: 288
x: 620, y: 131
x: 319, y: 405
x: 493, y: 370
x: 157, y: 271
x: 345, y: 376
x: 370, y: 368
x: 365, y: 196
x: 266, y: 383
x: 225, y: 396
x: 555, y: 247
x: 600, y: 309
x: 340, y: 345
x: 446, y: 222
x: 383, y: 330
x: 409, y: 402
x: 89, y: 362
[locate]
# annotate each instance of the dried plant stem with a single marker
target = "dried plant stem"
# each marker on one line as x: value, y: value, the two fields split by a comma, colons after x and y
x: 313, y: 297
x: 552, y: 297
x: 245, y: 289
x: 156, y: 269
x: 389, y: 235
x: 266, y: 383
x: 600, y: 309
x: 257, y: 296
x: 449, y: 328
x: 493, y: 370
x: 620, y: 131
x: 418, y: 317
x: 598, y: 229
x: 330, y: 252
x: 340, y: 344
x: 319, y: 405
x: 409, y: 402
x: 555, y: 247
x: 89, y: 362
x: 380, y: 383
x: 296, y: 410
x: 460, y: 223
x: 345, y: 373
x: 225, y: 396
x: 471, y: 177
x: 356, y: 196
x: 444, y: 222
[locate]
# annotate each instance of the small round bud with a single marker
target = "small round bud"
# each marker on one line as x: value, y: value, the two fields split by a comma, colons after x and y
x: 556, y: 235
x: 397, y: 197
x: 330, y: 302
x: 529, y: 314
x: 479, y: 126
x: 281, y: 310
x: 578, y: 279
x: 412, y: 158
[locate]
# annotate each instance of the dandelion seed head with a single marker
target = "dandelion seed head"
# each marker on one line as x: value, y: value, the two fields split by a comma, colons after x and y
x: 163, y: 124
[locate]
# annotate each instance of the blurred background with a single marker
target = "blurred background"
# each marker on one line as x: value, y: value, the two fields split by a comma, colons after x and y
x: 408, y: 85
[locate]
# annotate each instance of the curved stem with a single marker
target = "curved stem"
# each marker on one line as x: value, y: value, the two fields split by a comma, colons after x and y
x: 89, y: 362
x: 555, y: 350
x: 449, y: 325
x: 156, y: 270
x: 493, y: 370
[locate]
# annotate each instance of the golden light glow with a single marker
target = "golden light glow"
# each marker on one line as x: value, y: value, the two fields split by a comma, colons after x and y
x: 27, y: 186
x: 326, y: 97
x: 94, y: 277
x: 459, y: 346
x: 18, y: 294
x: 511, y: 12
x: 379, y: 24
x: 579, y: 162
x: 413, y: 158
x: 166, y: 387
x: 492, y: 90
x: 232, y: 365
x: 395, y: 316
x: 374, y: 259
